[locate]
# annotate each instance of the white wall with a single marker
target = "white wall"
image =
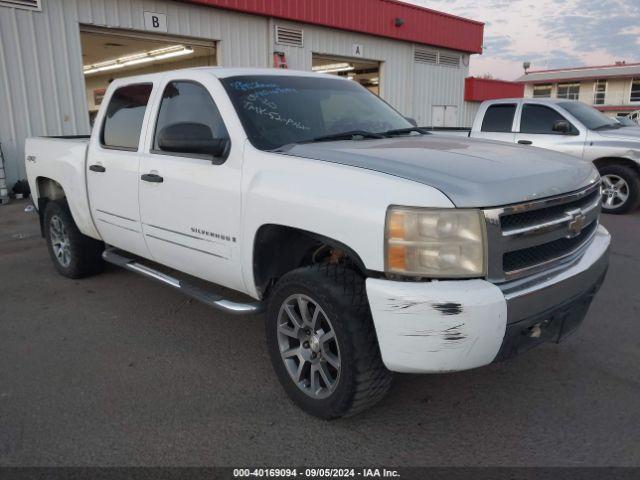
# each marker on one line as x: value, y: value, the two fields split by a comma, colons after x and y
x: 396, y: 57
x: 618, y: 91
x: 43, y: 88
x: 438, y: 85
x: 43, y: 91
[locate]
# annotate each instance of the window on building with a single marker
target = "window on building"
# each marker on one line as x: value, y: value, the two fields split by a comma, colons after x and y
x: 542, y: 91
x: 123, y: 120
x: 635, y: 90
x: 600, y: 90
x: 539, y: 119
x: 499, y: 118
x: 189, y: 102
x: 569, y: 91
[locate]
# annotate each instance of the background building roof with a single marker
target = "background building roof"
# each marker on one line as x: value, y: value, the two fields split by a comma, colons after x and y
x: 374, y: 17
x: 581, y: 73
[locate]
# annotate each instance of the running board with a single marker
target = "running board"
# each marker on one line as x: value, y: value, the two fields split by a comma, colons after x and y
x: 116, y: 257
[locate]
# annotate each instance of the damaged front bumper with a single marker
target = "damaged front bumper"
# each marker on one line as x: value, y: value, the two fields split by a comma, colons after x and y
x: 440, y: 326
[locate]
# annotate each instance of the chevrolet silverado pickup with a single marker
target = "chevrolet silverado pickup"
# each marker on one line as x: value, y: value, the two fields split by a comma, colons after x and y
x: 574, y: 128
x: 371, y: 245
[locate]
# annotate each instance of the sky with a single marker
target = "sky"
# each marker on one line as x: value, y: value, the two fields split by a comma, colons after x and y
x: 548, y: 33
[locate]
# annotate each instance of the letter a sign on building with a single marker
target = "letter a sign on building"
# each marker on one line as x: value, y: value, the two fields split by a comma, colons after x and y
x: 156, y: 22
x: 357, y: 50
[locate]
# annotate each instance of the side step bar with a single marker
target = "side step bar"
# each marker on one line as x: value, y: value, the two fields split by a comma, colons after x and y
x: 116, y: 257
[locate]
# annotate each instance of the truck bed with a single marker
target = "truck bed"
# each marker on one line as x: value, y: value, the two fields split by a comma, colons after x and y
x: 62, y: 158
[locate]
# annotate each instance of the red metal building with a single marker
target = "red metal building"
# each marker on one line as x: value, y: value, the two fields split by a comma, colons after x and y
x: 481, y: 89
x: 385, y: 18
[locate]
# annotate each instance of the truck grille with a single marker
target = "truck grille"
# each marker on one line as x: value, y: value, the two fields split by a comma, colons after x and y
x: 528, y: 237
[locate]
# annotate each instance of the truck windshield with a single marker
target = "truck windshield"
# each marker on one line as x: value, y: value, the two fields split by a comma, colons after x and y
x: 278, y: 110
x: 589, y: 116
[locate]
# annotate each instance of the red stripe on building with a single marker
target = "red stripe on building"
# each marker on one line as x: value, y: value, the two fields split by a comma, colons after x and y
x: 617, y: 108
x: 374, y: 17
x: 481, y: 89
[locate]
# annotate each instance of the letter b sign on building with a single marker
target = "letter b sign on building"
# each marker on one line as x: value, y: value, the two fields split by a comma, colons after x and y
x: 156, y: 22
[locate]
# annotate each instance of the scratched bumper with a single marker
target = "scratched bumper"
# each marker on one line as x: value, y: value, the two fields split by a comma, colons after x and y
x: 430, y: 327
x: 437, y: 326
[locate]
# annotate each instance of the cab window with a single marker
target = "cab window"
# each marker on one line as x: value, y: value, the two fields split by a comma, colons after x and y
x: 186, y: 103
x: 123, y: 120
x: 499, y: 118
x: 540, y: 119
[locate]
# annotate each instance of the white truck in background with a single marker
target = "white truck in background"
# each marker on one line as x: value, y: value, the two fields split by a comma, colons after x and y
x: 571, y: 127
x: 371, y: 245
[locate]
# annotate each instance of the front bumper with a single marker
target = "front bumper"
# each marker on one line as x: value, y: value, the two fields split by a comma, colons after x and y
x: 443, y: 326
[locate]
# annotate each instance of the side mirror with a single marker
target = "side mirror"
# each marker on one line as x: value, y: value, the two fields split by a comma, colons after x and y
x: 192, y: 137
x: 562, y: 126
x: 412, y: 121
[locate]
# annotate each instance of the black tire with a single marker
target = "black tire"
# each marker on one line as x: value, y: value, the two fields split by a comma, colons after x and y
x: 341, y: 293
x: 632, y: 179
x: 84, y: 256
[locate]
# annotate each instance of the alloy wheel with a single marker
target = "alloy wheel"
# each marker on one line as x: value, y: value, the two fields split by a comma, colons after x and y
x: 308, y: 346
x: 60, y: 241
x: 615, y: 191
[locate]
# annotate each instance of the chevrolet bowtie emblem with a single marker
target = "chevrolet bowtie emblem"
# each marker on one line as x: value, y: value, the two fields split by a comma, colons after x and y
x: 577, y: 222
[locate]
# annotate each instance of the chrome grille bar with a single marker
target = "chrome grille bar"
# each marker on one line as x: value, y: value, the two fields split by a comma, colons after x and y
x: 539, y: 229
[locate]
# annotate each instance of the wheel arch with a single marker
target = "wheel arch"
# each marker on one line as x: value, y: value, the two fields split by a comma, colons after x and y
x: 301, y: 247
x: 47, y: 190
x: 628, y: 168
x: 604, y: 161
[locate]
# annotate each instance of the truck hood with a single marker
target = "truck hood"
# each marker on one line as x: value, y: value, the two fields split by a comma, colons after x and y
x: 471, y: 172
x: 624, y: 133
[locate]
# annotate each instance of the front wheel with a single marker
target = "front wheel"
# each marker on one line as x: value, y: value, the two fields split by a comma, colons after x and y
x: 620, y: 189
x: 322, y: 342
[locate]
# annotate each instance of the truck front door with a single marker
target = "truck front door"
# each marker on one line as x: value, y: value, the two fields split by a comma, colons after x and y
x: 112, y: 168
x: 537, y: 128
x: 190, y: 201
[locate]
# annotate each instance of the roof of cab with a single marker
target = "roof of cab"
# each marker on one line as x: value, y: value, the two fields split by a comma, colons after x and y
x: 536, y: 100
x: 226, y: 72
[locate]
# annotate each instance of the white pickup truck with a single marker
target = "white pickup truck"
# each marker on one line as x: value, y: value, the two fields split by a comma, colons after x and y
x: 570, y: 127
x: 372, y: 245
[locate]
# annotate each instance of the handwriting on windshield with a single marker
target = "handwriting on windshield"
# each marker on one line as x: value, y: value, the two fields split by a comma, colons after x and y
x: 261, y: 102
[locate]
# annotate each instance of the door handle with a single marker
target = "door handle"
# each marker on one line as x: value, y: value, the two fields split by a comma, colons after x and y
x: 97, y: 168
x: 152, y: 177
x: 525, y: 142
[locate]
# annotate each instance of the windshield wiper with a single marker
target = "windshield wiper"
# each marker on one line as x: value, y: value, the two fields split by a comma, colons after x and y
x: 400, y: 131
x: 351, y: 135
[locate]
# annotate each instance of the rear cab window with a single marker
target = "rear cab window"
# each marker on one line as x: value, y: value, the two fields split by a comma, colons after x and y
x: 499, y: 118
x: 123, y: 119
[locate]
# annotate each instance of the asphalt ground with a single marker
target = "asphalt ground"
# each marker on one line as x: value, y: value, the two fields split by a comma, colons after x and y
x: 118, y: 370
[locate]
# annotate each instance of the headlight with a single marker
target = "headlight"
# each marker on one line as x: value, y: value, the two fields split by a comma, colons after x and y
x: 437, y: 243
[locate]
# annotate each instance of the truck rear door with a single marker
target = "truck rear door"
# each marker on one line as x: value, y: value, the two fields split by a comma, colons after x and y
x: 190, y: 202
x: 113, y: 164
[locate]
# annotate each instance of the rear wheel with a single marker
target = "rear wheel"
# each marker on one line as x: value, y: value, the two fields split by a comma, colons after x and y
x: 322, y: 342
x: 73, y: 254
x: 620, y: 189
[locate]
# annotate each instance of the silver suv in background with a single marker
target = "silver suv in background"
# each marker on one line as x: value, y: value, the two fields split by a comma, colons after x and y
x: 574, y: 128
